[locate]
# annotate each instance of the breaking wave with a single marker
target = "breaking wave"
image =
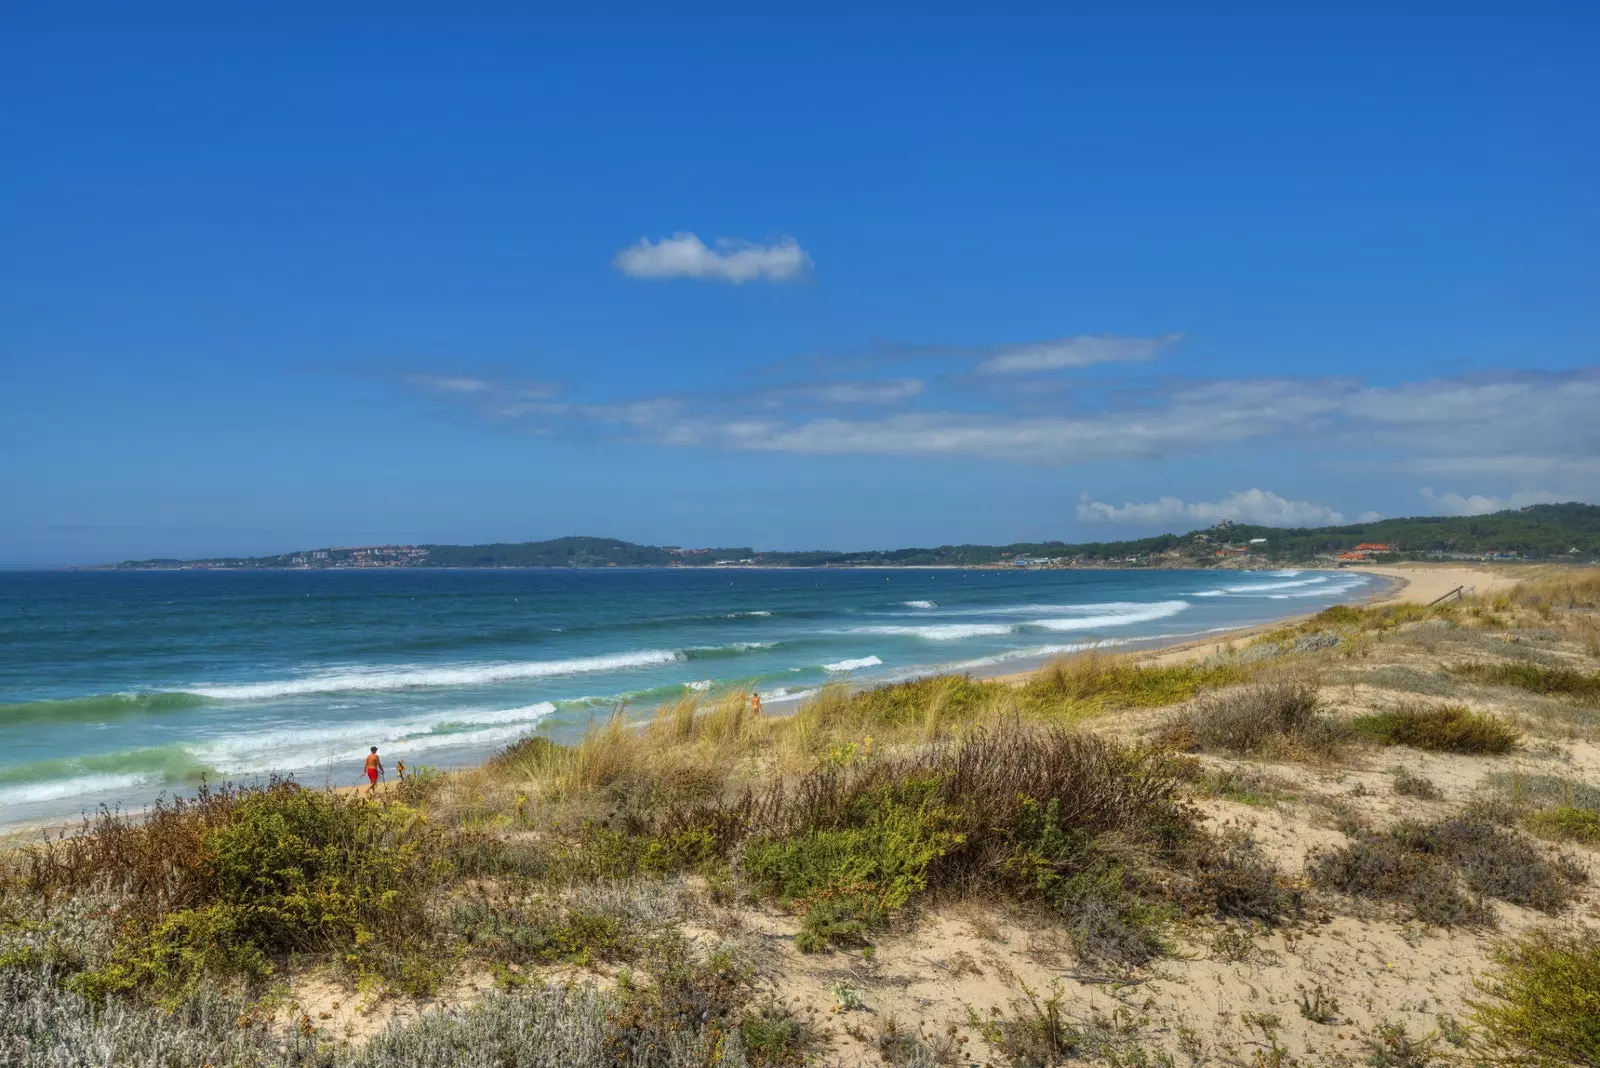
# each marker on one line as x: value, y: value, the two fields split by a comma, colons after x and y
x: 413, y: 677
x: 852, y: 665
x: 1126, y: 615
x: 940, y: 632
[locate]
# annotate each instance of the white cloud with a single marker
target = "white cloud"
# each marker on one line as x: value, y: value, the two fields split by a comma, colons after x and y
x: 683, y: 255
x: 1258, y: 506
x: 1080, y: 351
x: 447, y: 384
x: 880, y: 392
x: 1483, y: 504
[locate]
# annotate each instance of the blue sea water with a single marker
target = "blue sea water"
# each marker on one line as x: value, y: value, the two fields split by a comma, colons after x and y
x: 118, y: 686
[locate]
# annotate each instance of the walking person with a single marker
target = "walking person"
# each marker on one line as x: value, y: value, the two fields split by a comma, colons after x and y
x: 374, y: 769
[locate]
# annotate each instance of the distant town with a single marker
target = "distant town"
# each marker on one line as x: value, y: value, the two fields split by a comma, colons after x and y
x: 1544, y: 532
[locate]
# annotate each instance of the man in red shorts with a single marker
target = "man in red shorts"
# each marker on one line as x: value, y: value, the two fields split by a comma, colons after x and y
x: 374, y: 769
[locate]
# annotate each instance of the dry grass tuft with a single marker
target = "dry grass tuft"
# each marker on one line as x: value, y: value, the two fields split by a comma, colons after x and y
x: 1278, y: 718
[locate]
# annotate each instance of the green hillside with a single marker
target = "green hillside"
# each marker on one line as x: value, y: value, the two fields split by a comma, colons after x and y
x: 1539, y: 532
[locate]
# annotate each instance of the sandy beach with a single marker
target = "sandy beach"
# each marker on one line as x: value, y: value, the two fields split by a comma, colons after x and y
x: 1409, y: 583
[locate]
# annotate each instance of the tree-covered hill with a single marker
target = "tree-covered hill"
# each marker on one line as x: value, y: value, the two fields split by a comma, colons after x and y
x: 1539, y: 532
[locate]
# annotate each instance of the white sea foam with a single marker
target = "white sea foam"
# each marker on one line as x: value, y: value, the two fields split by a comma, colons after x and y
x: 746, y: 615
x: 262, y: 751
x: 920, y: 604
x: 1031, y: 653
x: 413, y: 676
x: 852, y: 665
x: 940, y: 632
x: 79, y: 786
x: 1092, y: 607
x: 1255, y: 587
x: 699, y: 687
x: 1126, y: 615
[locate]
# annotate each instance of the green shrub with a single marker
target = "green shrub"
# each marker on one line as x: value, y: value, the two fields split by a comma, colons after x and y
x: 419, y: 786
x: 850, y: 876
x: 1535, y: 678
x: 1565, y: 823
x: 1442, y: 728
x: 1543, y: 1000
x: 1075, y: 822
x: 287, y: 870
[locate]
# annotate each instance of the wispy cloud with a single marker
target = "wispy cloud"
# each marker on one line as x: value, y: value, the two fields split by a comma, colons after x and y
x: 1483, y: 504
x: 1081, y: 351
x: 446, y: 383
x: 882, y: 391
x: 1258, y: 506
x: 684, y: 255
x: 1511, y: 427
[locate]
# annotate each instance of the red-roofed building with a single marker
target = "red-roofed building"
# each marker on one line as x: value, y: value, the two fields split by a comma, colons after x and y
x: 1374, y: 547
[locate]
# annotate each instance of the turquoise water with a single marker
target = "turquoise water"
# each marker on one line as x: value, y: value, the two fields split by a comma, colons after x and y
x: 118, y: 686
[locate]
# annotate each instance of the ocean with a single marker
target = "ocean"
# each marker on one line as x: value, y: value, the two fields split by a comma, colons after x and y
x: 117, y: 687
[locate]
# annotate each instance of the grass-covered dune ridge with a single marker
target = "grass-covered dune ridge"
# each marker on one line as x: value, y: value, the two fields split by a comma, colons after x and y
x: 1374, y: 846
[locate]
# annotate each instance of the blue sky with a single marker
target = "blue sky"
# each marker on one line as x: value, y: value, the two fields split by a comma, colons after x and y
x: 341, y: 274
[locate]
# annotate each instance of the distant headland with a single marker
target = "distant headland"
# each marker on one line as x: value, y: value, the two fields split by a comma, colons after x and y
x: 1541, y: 532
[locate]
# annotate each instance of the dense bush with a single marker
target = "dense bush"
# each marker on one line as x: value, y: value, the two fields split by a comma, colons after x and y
x: 1442, y: 728
x: 1077, y: 823
x: 232, y: 882
x: 1542, y: 1003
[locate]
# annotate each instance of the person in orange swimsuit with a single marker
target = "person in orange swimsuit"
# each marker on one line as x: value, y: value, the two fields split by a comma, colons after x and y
x: 374, y: 769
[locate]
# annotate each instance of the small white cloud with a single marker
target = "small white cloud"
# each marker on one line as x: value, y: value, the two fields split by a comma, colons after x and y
x: 1257, y: 506
x: 887, y: 391
x: 683, y: 255
x: 1078, y: 351
x: 1369, y: 517
x: 447, y: 384
x: 1483, y: 504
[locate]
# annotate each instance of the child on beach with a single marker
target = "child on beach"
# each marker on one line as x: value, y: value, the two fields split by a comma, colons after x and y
x: 374, y: 769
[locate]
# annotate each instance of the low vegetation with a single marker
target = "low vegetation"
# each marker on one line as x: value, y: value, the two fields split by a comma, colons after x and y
x: 1424, y: 867
x: 1542, y: 1002
x: 1535, y: 678
x: 1279, y: 718
x: 622, y: 893
x: 1441, y: 728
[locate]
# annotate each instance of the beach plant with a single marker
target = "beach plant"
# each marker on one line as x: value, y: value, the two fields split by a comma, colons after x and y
x: 1566, y: 823
x: 1422, y: 865
x: 229, y: 884
x: 1441, y: 728
x: 1407, y: 783
x: 1535, y: 678
x: 1280, y: 717
x: 1541, y: 1003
